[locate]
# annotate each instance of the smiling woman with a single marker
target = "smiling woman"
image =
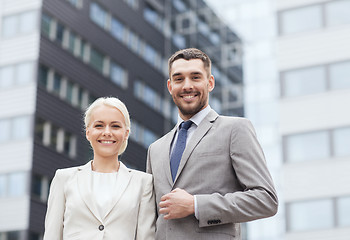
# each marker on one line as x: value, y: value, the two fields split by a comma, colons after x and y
x: 107, y: 124
x: 102, y: 199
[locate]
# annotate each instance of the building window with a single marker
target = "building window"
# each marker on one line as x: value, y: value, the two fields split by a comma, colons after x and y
x: 339, y: 74
x: 179, y: 40
x: 57, y: 84
x: 153, y: 17
x: 40, y: 187
x: 13, y: 184
x: 46, y: 27
x: 180, y: 5
x: 98, y: 15
x: 23, y: 23
x: 65, y: 89
x: 133, y: 41
x: 151, y: 98
x: 307, y: 215
x: 16, y: 75
x: 21, y: 127
x: 5, y: 130
x: 142, y: 135
x: 118, y: 75
x: 337, y: 12
x: 134, y: 4
x: 328, y: 14
x: 72, y: 43
x: 317, y: 145
x: 3, y: 186
x: 35, y: 236
x: 307, y: 146
x: 341, y: 140
x: 76, y: 3
x: 118, y: 29
x: 16, y: 128
x: 301, y: 19
x: 343, y: 210
x: 316, y: 79
x: 55, y: 137
x: 96, y: 60
x: 304, y: 81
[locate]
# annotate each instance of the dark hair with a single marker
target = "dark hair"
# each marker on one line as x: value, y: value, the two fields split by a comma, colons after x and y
x: 188, y: 54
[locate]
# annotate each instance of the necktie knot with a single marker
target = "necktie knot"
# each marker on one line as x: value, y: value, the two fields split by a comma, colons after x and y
x: 186, y: 125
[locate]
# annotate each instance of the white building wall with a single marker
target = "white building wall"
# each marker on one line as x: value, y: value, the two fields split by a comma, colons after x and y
x: 266, y: 55
x: 320, y: 178
x: 14, y: 214
x: 15, y: 101
x: 314, y: 48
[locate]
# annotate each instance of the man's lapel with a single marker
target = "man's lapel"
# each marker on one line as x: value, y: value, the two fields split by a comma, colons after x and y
x: 199, y: 133
x: 85, y: 189
x: 165, y: 155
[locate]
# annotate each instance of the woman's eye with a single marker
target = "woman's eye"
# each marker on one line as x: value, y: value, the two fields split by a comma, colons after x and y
x: 115, y: 126
x: 98, y: 125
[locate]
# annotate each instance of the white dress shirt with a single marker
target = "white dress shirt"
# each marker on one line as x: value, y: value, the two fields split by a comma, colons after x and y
x: 102, y: 188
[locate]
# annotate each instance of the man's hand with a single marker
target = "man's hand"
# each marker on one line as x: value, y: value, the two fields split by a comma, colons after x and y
x: 176, y: 204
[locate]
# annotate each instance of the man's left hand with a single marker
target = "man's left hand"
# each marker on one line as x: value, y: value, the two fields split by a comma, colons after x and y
x: 176, y: 204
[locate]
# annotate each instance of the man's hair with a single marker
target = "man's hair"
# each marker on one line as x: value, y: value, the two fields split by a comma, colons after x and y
x: 188, y: 54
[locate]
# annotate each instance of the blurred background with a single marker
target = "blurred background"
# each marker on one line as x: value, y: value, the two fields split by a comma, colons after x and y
x: 284, y: 64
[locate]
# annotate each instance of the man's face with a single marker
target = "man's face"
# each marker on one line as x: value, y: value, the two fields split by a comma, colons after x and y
x: 189, y: 86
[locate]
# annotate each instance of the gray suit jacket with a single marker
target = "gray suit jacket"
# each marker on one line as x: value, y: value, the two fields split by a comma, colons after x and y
x: 224, y: 166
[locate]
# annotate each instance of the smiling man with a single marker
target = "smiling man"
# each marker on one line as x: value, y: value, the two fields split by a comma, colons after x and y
x: 209, y: 171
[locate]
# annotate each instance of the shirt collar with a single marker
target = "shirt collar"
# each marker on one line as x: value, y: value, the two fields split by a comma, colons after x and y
x: 197, y: 118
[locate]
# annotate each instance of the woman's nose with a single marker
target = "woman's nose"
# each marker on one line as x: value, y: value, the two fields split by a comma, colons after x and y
x: 107, y: 131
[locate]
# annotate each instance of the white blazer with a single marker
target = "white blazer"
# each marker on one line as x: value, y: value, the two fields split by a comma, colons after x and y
x: 73, y: 214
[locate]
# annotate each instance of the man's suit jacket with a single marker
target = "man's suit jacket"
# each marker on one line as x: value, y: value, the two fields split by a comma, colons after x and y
x: 72, y: 212
x: 224, y: 166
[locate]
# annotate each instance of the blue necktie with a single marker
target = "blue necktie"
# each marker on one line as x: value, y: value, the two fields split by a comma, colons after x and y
x: 179, y: 148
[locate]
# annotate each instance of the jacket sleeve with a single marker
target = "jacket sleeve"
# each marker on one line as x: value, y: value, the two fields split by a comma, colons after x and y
x: 258, y: 197
x: 55, y: 209
x: 147, y: 212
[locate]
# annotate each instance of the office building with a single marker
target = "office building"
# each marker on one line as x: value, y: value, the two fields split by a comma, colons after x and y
x: 57, y: 56
x: 296, y: 65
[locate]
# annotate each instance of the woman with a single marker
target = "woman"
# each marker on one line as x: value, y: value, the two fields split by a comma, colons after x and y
x: 102, y: 199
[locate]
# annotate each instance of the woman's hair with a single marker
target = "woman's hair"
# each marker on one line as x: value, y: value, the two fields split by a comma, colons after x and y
x: 111, y: 102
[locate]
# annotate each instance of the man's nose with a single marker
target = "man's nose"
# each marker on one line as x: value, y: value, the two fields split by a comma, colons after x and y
x: 188, y: 84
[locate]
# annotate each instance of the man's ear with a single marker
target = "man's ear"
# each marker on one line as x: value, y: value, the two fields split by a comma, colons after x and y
x: 211, y: 84
x: 170, y: 87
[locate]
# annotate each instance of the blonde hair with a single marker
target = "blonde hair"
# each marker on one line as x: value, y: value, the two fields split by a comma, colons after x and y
x: 112, y: 102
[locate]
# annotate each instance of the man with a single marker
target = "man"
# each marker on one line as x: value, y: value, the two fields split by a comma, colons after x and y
x: 221, y: 179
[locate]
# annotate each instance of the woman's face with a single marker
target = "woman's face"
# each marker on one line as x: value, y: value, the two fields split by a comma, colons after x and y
x: 106, y: 131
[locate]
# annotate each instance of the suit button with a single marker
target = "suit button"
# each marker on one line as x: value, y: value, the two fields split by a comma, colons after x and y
x: 101, y: 227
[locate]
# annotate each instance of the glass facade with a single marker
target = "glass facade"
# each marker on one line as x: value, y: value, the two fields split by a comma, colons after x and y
x: 317, y: 79
x: 318, y: 214
x: 318, y: 145
x: 317, y: 16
